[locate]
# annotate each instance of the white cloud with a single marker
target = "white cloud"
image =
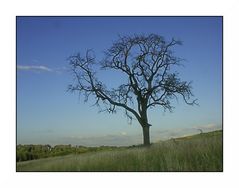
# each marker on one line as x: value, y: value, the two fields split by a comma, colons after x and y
x: 208, y: 127
x: 33, y: 68
x: 183, y: 131
x: 123, y: 133
x: 106, y: 140
x: 126, y: 139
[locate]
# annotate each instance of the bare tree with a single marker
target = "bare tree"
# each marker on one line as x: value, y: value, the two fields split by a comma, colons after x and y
x: 146, y: 61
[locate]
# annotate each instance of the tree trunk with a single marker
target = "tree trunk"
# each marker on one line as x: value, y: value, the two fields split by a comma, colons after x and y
x: 146, y: 135
x: 144, y: 122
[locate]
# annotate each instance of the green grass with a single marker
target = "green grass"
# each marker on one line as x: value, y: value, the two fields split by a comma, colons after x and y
x: 201, y: 152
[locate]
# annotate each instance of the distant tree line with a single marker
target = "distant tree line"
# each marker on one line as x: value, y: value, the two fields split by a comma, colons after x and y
x: 31, y: 152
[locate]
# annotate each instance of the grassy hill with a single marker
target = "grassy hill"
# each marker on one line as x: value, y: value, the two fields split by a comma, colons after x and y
x: 202, y: 152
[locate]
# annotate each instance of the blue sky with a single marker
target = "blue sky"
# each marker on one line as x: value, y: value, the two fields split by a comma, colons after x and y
x: 46, y: 113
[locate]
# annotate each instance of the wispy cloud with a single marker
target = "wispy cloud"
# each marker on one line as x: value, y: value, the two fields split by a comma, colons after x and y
x: 208, y: 127
x: 123, y: 133
x: 34, y: 68
x: 41, y: 68
x: 119, y: 139
x: 183, y: 131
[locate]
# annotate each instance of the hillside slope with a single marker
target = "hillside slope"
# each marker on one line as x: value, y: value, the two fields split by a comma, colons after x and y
x: 202, y: 152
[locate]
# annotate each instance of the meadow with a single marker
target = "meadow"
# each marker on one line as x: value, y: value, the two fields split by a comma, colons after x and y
x: 201, y: 152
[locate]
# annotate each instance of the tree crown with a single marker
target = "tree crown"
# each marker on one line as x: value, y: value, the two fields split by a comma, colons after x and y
x: 146, y: 61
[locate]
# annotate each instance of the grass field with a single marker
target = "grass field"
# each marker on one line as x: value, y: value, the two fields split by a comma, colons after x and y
x: 202, y: 152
